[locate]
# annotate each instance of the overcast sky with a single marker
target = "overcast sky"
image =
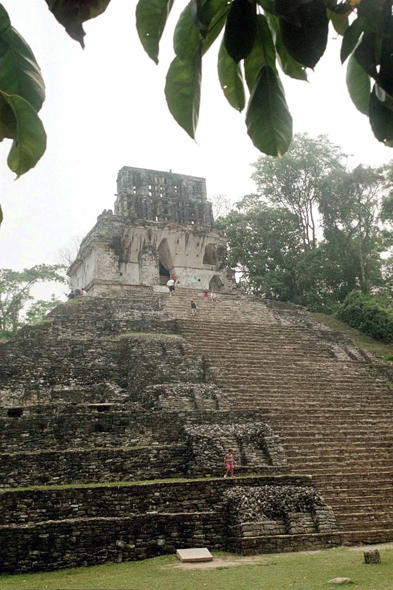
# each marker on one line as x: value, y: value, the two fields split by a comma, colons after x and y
x: 105, y: 108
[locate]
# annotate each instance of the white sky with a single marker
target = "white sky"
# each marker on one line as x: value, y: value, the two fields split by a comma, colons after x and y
x: 105, y: 108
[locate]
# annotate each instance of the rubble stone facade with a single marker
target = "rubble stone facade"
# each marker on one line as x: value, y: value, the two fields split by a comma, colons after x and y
x: 162, y: 226
x: 106, y: 391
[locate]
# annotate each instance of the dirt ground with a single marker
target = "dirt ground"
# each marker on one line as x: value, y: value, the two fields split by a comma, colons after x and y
x: 232, y: 560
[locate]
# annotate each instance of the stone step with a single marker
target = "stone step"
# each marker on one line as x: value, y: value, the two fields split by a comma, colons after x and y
x: 341, y: 497
x: 321, y: 371
x: 346, y: 419
x: 363, y: 505
x: 308, y: 466
x: 358, y: 443
x: 249, y: 389
x: 337, y: 457
x: 339, y: 453
x: 358, y: 482
x: 322, y: 401
x: 329, y: 470
x: 361, y: 521
x: 299, y: 374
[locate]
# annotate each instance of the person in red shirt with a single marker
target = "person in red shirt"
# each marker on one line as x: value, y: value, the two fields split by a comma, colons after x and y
x: 229, y: 463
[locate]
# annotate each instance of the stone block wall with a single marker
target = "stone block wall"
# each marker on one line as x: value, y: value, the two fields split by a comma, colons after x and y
x: 70, y: 543
x: 104, y: 425
x: 183, y: 396
x: 115, y: 501
x: 254, y: 444
x: 87, y: 403
x: 52, y: 528
x: 300, y: 509
x: 37, y: 363
x: 137, y: 310
x: 162, y: 196
x: 94, y: 466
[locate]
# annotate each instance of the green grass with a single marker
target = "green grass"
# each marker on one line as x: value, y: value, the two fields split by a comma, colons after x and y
x: 68, y: 486
x: 288, y: 571
x: 147, y: 335
x: 128, y: 335
x: 358, y: 338
x: 76, y: 300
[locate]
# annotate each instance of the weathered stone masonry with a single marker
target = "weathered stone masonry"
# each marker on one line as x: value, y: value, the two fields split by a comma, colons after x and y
x: 163, y: 225
x: 126, y: 387
x: 87, y: 400
x: 86, y: 526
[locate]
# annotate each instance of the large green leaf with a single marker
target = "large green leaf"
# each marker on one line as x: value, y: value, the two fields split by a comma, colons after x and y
x: 359, y: 86
x: 214, y: 15
x: 339, y: 21
x: 267, y: 5
x: 151, y: 17
x: 289, y: 66
x: 269, y: 122
x: 263, y: 53
x: 29, y: 135
x: 7, y: 120
x: 381, y: 118
x: 351, y: 37
x: 72, y: 13
x: 386, y: 64
x: 366, y: 54
x: 231, y: 79
x: 183, y: 91
x: 19, y: 71
x: 187, y: 39
x: 305, y: 36
x: 240, y: 29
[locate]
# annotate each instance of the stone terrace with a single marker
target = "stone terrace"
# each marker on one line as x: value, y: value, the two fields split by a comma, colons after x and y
x: 109, y: 392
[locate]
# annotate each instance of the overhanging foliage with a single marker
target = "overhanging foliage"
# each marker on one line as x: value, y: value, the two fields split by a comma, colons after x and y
x: 260, y: 36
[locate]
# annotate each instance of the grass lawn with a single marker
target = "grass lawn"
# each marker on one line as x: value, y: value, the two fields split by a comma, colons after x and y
x: 294, y: 571
x: 358, y: 338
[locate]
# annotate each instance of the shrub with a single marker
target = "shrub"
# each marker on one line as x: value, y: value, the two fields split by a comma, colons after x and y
x: 363, y: 312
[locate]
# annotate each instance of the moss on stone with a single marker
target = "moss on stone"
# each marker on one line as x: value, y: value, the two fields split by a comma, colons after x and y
x: 147, y: 335
x: 150, y: 482
x: 361, y: 340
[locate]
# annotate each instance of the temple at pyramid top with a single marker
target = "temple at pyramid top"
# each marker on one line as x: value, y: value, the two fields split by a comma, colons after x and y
x: 162, y: 226
x: 162, y: 196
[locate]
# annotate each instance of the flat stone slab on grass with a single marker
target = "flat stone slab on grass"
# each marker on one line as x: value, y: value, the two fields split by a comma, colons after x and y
x: 192, y: 555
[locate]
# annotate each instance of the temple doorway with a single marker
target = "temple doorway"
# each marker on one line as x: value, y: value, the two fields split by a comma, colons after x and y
x: 210, y: 255
x: 216, y: 284
x: 165, y: 262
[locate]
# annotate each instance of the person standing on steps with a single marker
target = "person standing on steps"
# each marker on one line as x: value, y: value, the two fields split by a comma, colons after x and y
x: 193, y: 307
x: 171, y: 286
x: 229, y: 462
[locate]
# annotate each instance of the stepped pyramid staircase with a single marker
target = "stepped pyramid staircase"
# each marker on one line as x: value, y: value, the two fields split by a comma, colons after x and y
x: 116, y: 412
x: 331, y: 406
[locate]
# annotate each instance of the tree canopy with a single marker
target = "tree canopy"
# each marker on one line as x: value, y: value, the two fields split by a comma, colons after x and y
x: 314, y: 231
x: 260, y: 37
x: 15, y: 292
